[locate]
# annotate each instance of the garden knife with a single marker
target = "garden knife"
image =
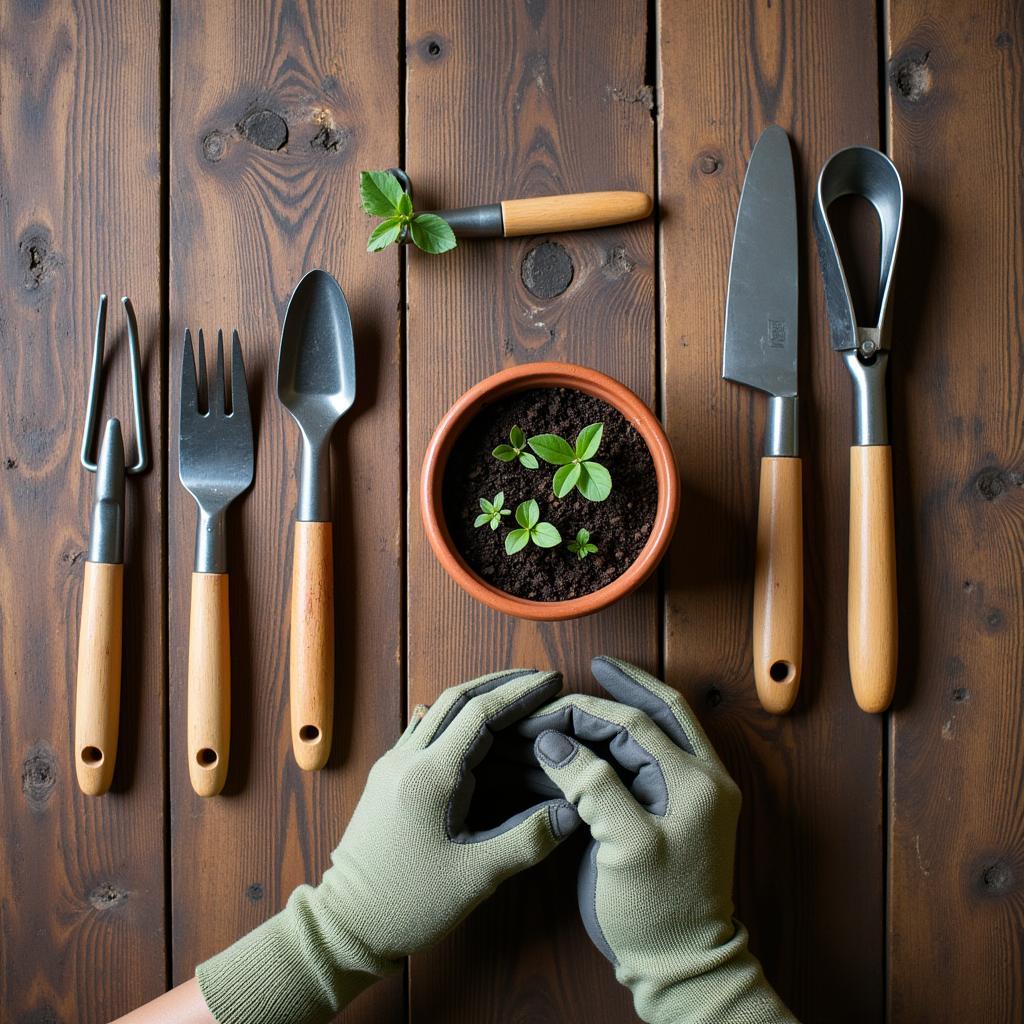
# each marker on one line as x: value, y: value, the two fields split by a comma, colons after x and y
x: 761, y: 351
x: 316, y: 382
x: 872, y: 640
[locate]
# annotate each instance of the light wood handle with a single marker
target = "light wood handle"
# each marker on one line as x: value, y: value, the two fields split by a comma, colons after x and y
x: 546, y: 214
x: 779, y: 585
x: 209, y: 683
x: 872, y: 615
x: 98, y: 684
x: 312, y: 644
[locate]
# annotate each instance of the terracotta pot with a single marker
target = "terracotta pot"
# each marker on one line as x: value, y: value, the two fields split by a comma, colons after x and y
x: 546, y: 375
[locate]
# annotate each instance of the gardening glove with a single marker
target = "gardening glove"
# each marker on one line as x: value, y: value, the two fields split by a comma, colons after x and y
x: 656, y: 880
x: 407, y: 869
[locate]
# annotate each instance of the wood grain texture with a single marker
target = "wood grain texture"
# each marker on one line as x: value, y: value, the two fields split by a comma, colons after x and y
x: 956, y: 906
x: 873, y: 621
x: 209, y: 683
x: 275, y: 108
x: 810, y: 864
x: 81, y: 878
x: 98, y: 677
x: 778, y: 636
x: 311, y: 644
x: 536, y: 99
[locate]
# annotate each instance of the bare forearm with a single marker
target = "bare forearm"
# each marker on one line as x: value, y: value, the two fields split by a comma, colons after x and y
x: 182, y: 1005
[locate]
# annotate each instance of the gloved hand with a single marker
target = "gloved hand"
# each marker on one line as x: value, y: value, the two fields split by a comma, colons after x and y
x: 407, y: 870
x: 655, y: 886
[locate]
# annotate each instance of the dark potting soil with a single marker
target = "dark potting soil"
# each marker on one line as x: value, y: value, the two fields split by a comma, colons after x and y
x: 619, y: 525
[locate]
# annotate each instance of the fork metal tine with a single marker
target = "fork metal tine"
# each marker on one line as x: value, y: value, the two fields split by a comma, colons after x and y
x: 216, y: 401
x: 204, y: 391
x: 189, y: 398
x: 239, y: 384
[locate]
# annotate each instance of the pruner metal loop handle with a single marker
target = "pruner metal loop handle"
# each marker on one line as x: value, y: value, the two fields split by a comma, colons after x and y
x: 92, y: 408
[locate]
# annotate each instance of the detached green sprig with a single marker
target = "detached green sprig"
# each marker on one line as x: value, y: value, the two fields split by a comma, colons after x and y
x: 544, y: 535
x: 515, y: 450
x: 576, y: 466
x: 381, y: 195
x: 492, y: 511
x: 581, y: 546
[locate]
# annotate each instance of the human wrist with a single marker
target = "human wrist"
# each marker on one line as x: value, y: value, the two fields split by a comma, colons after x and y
x: 726, y: 985
x: 302, y: 965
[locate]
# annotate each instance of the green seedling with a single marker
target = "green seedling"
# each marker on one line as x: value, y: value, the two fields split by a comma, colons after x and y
x: 544, y: 535
x: 515, y: 450
x: 576, y: 467
x: 382, y: 196
x: 492, y: 511
x: 581, y: 546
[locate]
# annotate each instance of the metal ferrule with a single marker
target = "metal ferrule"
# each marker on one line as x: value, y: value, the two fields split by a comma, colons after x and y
x: 211, y: 542
x: 475, y: 221
x: 106, y: 533
x: 870, y: 420
x: 314, y: 483
x: 781, y: 435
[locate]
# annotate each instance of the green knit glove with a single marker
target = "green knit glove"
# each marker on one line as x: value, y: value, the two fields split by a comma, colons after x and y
x: 407, y: 870
x: 655, y: 884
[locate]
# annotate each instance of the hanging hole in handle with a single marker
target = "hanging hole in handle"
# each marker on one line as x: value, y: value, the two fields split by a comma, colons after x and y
x: 309, y: 734
x: 92, y: 755
x: 205, y: 757
x: 781, y: 671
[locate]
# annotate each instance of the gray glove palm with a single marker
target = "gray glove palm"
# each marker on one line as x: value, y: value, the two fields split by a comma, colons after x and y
x: 407, y: 870
x: 655, y: 884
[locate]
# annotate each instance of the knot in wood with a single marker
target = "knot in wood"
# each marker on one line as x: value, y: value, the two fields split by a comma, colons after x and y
x: 264, y: 128
x: 38, y: 775
x: 547, y: 270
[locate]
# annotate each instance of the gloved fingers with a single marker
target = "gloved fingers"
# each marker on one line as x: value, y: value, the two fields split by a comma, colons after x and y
x: 622, y: 734
x: 446, y: 708
x: 469, y: 724
x: 631, y: 685
x: 529, y: 837
x: 592, y: 785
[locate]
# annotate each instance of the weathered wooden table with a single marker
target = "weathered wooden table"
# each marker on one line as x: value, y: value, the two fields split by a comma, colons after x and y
x: 199, y: 156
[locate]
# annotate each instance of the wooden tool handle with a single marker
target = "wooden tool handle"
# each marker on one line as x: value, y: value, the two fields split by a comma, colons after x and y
x: 209, y: 683
x: 312, y: 644
x: 872, y: 622
x: 546, y: 214
x: 779, y: 585
x: 98, y: 685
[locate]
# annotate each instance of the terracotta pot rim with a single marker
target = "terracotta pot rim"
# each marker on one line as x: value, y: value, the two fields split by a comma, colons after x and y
x: 540, y: 375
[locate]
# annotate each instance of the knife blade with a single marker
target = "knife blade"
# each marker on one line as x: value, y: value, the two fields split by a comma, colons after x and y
x: 760, y: 351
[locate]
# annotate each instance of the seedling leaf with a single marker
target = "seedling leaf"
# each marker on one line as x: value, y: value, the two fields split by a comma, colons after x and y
x: 565, y: 479
x: 552, y: 448
x: 595, y: 481
x: 545, y: 535
x: 588, y: 441
x: 516, y: 540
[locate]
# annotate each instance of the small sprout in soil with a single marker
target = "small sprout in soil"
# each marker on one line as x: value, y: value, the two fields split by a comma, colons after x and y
x: 581, y: 546
x: 544, y: 535
x: 514, y: 450
x: 492, y: 511
x: 382, y: 196
x: 575, y: 468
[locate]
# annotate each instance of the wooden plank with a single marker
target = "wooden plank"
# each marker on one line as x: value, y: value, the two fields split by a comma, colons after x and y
x: 81, y: 878
x: 955, y: 103
x: 809, y: 874
x: 275, y: 109
x: 506, y: 101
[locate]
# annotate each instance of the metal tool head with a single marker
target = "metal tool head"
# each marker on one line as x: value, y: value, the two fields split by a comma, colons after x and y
x: 760, y: 347
x: 861, y: 171
x: 316, y: 379
x: 92, y: 408
x: 215, y: 446
x: 106, y: 535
